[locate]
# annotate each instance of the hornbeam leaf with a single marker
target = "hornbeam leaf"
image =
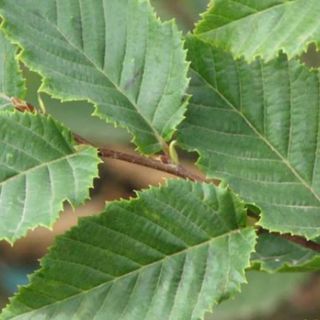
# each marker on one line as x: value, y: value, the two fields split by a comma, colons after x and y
x: 257, y: 127
x: 251, y: 28
x: 274, y: 254
x: 115, y: 54
x: 11, y: 81
x: 39, y: 170
x: 261, y: 297
x: 172, y: 253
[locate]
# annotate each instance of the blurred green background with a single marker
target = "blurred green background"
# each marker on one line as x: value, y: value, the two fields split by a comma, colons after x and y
x: 279, y: 296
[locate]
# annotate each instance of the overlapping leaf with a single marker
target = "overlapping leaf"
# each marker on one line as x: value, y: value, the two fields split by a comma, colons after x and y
x: 257, y: 127
x: 11, y: 80
x: 261, y: 297
x: 172, y: 253
x: 116, y: 54
x: 278, y: 254
x: 39, y: 170
x: 253, y: 28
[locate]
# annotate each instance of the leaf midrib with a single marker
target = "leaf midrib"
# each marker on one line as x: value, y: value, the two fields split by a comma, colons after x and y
x: 256, y: 131
x: 45, y: 164
x: 156, y: 134
x: 83, y: 292
x: 245, y: 17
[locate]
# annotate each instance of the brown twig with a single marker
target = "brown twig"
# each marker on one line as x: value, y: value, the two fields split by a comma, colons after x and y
x: 182, y: 172
x: 302, y: 242
x: 22, y: 105
x: 176, y: 170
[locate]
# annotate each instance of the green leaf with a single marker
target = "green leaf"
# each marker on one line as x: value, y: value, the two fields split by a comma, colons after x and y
x: 11, y: 81
x: 39, y: 170
x: 257, y: 127
x: 172, y: 253
x: 251, y: 28
x: 115, y: 54
x: 275, y: 254
x: 260, y: 297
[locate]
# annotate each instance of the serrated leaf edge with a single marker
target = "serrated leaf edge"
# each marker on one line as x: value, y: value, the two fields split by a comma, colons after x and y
x: 44, y: 88
x: 68, y: 136
x: 258, y: 55
x: 130, y: 200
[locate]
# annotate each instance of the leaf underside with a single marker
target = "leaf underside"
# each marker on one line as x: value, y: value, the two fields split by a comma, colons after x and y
x: 257, y: 127
x: 11, y: 80
x: 115, y: 54
x: 258, y: 28
x: 39, y: 170
x: 172, y: 253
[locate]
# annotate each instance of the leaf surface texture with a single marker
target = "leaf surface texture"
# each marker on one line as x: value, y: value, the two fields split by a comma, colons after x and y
x: 39, y: 170
x: 256, y: 126
x: 172, y: 253
x: 251, y: 28
x: 274, y: 254
x: 115, y: 54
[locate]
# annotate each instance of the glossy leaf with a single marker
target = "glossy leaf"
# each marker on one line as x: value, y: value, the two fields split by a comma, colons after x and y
x: 172, y: 253
x: 11, y: 80
x: 115, y: 54
x: 251, y: 28
x: 257, y: 127
x: 39, y: 170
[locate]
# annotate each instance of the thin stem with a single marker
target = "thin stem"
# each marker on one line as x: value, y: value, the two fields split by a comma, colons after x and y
x: 170, y: 168
x: 176, y: 170
x: 182, y: 172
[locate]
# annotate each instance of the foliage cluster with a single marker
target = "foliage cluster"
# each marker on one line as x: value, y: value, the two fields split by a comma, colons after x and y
x: 234, y: 91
